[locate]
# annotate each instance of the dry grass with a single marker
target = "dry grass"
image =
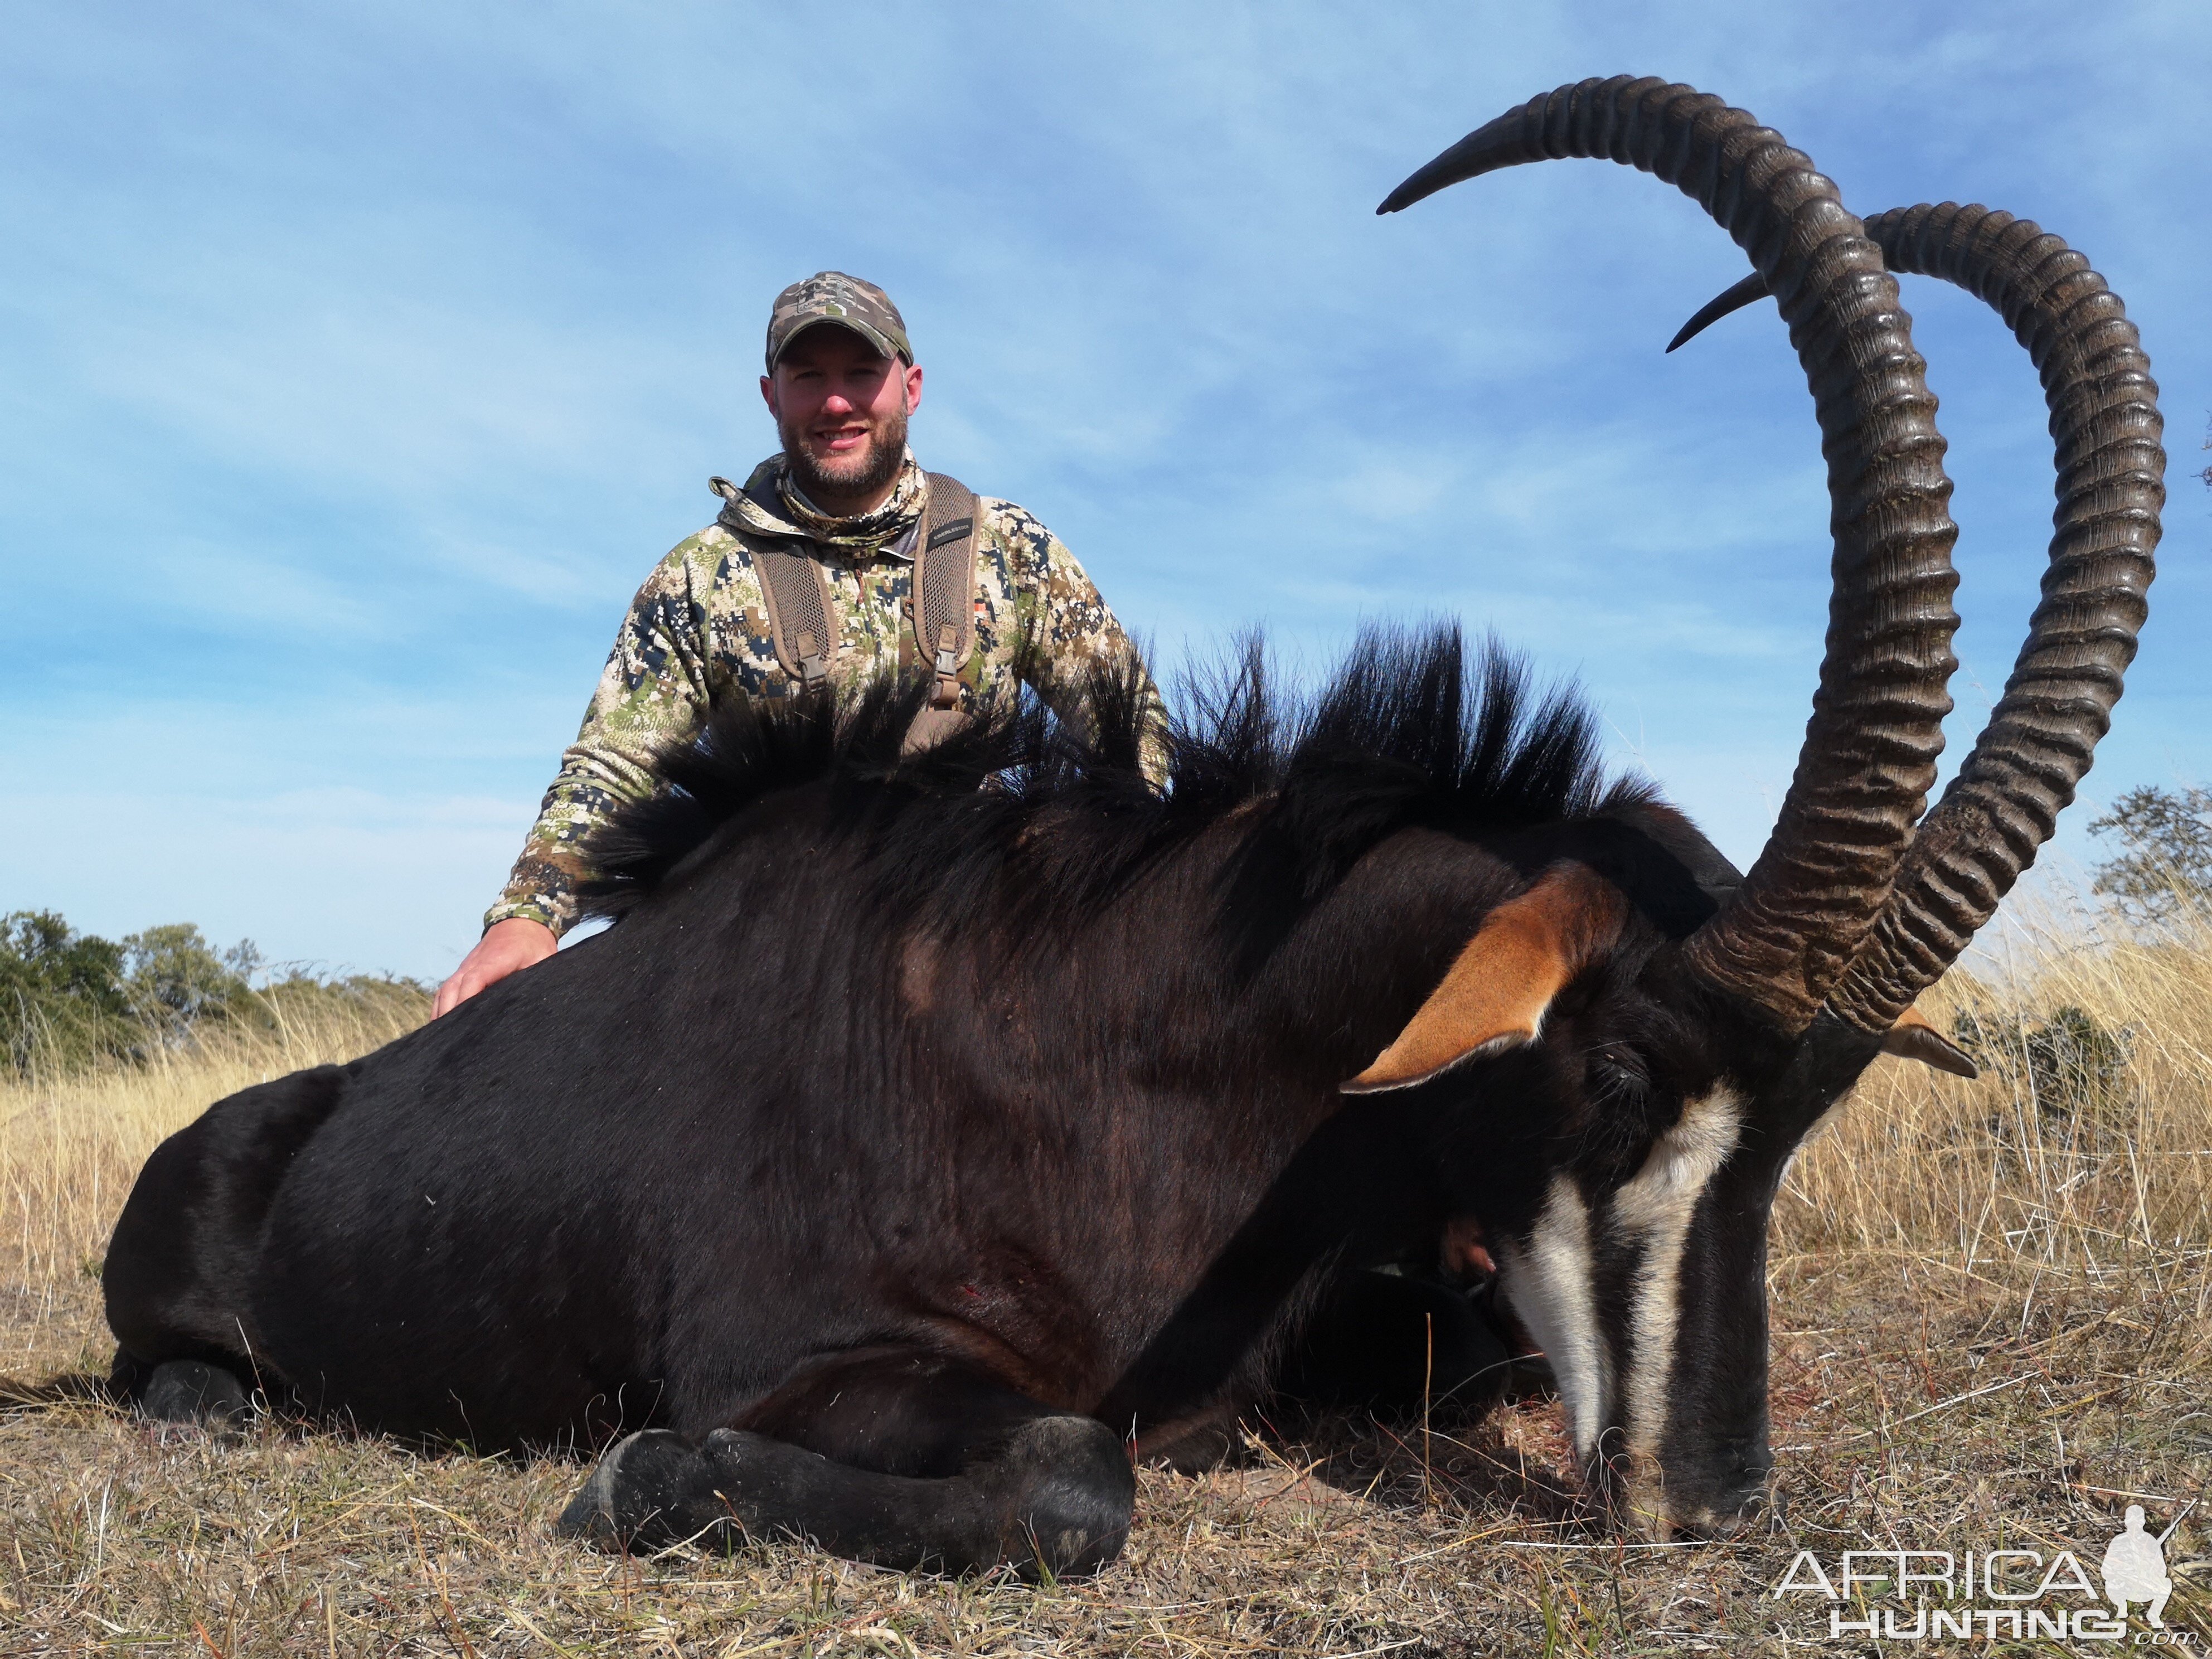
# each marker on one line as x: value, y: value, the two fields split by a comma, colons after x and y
x: 1992, y: 1328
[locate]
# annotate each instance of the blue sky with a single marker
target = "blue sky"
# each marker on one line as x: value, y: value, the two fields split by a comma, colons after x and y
x: 363, y: 360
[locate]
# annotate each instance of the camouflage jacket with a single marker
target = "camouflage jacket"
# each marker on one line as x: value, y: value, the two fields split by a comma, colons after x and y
x: 697, y: 633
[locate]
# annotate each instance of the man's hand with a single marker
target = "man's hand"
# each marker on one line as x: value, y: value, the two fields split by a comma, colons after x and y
x: 506, y: 947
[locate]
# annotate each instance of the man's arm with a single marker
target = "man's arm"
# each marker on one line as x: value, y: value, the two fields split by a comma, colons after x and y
x: 654, y: 691
x: 1073, y: 630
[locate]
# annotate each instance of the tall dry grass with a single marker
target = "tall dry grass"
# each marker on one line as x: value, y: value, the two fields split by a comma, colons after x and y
x: 1990, y: 1304
x: 2061, y: 1167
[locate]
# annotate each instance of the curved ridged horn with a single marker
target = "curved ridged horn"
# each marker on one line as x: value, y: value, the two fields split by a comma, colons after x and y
x: 2105, y: 425
x: 2105, y: 428
x: 1871, y: 748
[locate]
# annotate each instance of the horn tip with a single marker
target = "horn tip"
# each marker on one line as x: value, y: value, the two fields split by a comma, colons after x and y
x: 1401, y: 198
x: 1732, y: 298
x: 1493, y: 145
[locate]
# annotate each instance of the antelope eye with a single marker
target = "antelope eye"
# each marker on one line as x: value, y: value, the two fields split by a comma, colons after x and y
x: 1619, y: 1067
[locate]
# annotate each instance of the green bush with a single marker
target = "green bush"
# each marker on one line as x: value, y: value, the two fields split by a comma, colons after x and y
x: 63, y: 996
x: 2074, y: 1068
x: 177, y: 980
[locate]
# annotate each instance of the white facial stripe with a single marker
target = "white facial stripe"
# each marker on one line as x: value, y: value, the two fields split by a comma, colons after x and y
x: 1551, y: 1287
x: 1653, y: 1211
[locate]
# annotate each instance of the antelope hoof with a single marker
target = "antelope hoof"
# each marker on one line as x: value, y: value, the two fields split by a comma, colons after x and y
x: 191, y: 1394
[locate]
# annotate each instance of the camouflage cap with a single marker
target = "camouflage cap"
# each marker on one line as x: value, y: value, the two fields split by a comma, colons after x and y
x: 831, y: 296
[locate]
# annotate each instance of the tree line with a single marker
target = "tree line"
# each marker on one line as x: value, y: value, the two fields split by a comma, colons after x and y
x: 69, y: 1000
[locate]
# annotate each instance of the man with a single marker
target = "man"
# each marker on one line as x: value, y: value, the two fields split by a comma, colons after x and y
x: 842, y: 382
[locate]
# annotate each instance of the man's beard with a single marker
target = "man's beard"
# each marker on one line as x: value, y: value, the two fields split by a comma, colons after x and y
x: 862, y: 476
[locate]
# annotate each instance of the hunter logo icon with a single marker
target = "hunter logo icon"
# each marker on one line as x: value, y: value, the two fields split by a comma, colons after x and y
x: 2134, y: 1569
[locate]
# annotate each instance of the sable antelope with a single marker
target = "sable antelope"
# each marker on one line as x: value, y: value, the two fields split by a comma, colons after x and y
x: 929, y: 1124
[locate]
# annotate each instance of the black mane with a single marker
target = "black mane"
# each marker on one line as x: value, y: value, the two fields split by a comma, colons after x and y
x: 1413, y: 730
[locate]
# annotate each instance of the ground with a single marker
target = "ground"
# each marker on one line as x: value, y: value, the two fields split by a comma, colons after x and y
x: 1993, y: 1325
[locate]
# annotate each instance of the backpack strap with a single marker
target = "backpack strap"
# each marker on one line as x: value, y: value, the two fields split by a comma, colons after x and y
x: 945, y: 586
x: 944, y: 606
x: 802, y: 620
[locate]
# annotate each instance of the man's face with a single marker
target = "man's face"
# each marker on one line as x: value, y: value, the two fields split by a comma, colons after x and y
x: 841, y: 408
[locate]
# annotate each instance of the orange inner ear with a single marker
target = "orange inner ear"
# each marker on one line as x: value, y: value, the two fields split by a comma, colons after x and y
x: 1497, y: 992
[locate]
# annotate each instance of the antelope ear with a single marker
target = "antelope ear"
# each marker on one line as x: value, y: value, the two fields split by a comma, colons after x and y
x: 1913, y: 1038
x: 1496, y: 994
